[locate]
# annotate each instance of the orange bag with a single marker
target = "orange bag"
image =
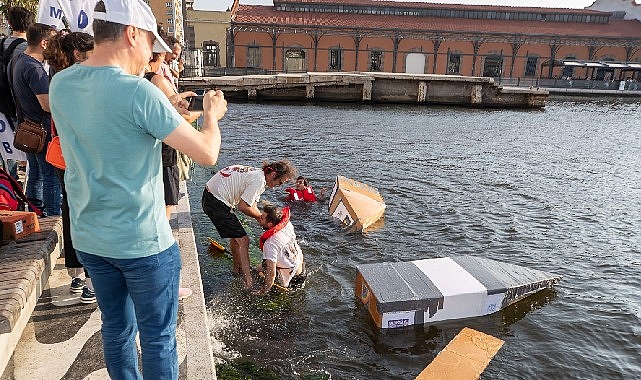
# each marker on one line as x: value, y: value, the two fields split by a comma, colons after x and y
x: 54, y: 152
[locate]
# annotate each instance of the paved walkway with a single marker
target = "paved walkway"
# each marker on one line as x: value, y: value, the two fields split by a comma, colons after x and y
x: 62, y: 339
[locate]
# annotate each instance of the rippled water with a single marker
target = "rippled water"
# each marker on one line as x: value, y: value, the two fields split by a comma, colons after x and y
x: 556, y: 190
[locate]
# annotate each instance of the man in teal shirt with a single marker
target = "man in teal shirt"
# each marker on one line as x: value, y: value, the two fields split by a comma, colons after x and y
x: 111, y: 124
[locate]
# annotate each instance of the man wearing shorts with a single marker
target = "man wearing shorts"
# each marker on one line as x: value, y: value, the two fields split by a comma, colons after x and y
x: 239, y: 187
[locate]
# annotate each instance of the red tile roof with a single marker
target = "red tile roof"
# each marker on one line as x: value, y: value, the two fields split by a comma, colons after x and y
x: 256, y: 14
x: 384, y: 3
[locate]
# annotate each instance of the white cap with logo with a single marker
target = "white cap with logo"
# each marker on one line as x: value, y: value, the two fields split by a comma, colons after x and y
x: 135, y: 13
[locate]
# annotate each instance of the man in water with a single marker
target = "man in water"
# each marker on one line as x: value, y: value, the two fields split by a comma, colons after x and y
x: 282, y: 256
x: 239, y: 187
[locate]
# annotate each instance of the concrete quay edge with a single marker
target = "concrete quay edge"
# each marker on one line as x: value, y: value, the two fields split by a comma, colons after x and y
x: 199, y: 351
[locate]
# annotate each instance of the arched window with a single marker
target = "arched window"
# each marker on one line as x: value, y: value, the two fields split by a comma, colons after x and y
x: 415, y: 63
x: 336, y: 59
x: 454, y: 64
x: 530, y: 66
x: 294, y: 61
x: 375, y: 60
x: 493, y: 66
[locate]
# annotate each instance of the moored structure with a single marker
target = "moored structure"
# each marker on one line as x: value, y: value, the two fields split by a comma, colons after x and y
x: 372, y: 87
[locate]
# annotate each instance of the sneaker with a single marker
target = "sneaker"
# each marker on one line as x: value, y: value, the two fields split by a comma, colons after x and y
x: 88, y: 295
x: 184, y: 293
x: 76, y: 285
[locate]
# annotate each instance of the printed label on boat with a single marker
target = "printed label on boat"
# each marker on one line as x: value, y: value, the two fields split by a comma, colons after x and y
x: 19, y: 227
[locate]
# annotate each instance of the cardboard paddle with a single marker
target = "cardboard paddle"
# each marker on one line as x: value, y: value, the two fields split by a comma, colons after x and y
x: 215, y: 248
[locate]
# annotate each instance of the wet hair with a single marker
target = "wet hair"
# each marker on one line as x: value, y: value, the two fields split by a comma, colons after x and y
x: 60, y: 50
x: 106, y: 30
x: 273, y: 214
x: 282, y: 168
x: 305, y: 181
x: 20, y: 18
x: 38, y: 32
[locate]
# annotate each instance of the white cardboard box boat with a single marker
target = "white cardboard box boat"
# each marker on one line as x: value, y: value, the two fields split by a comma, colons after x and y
x: 415, y: 292
x: 355, y: 204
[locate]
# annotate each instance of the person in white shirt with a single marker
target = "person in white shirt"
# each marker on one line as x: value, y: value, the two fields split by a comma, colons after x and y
x: 239, y: 187
x: 282, y: 256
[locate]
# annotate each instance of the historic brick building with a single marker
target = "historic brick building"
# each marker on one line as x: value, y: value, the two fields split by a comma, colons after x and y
x: 371, y: 35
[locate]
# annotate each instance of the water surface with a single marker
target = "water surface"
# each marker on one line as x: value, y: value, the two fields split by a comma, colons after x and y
x: 557, y: 190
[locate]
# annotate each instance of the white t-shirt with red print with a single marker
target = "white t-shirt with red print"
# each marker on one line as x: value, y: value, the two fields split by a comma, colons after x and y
x: 236, y: 182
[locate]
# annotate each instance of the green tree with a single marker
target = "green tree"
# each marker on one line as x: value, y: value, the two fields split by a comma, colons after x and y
x: 32, y: 5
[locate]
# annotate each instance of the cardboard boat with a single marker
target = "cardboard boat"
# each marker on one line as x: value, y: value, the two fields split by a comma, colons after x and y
x: 406, y: 293
x: 355, y: 204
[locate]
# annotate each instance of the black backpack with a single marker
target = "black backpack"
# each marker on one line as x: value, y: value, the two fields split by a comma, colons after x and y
x: 7, y: 104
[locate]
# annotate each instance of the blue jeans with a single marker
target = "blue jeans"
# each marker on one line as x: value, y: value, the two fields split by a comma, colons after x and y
x: 138, y: 295
x: 43, y: 184
x: 12, y: 168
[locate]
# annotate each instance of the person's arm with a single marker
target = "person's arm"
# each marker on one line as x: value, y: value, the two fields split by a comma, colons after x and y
x: 181, y: 66
x: 248, y: 210
x: 202, y: 146
x: 176, y: 99
x: 163, y: 84
x: 270, y: 277
x: 43, y: 99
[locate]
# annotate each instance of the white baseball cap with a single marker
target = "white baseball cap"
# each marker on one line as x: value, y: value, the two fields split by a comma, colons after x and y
x: 135, y: 13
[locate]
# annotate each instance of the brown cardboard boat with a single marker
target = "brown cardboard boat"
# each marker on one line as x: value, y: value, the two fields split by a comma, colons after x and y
x: 355, y: 204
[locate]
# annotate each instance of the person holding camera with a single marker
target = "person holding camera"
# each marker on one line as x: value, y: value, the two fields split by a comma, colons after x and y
x: 111, y: 123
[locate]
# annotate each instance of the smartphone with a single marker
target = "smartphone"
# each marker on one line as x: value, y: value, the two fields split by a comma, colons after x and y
x: 196, y: 103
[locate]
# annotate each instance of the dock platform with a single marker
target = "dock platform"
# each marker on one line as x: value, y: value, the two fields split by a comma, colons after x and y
x: 372, y: 87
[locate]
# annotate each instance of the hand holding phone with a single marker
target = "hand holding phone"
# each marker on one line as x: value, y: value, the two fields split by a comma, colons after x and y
x: 196, y: 103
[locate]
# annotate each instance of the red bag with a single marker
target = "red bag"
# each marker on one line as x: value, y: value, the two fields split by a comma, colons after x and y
x: 12, y: 197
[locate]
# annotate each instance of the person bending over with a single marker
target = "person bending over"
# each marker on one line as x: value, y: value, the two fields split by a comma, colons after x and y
x: 282, y: 257
x: 239, y: 187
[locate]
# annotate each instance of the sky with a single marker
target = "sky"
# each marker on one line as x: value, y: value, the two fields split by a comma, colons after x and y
x: 221, y: 5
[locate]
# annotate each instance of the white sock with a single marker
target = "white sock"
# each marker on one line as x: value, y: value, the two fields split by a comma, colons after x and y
x: 89, y: 283
x: 76, y: 272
